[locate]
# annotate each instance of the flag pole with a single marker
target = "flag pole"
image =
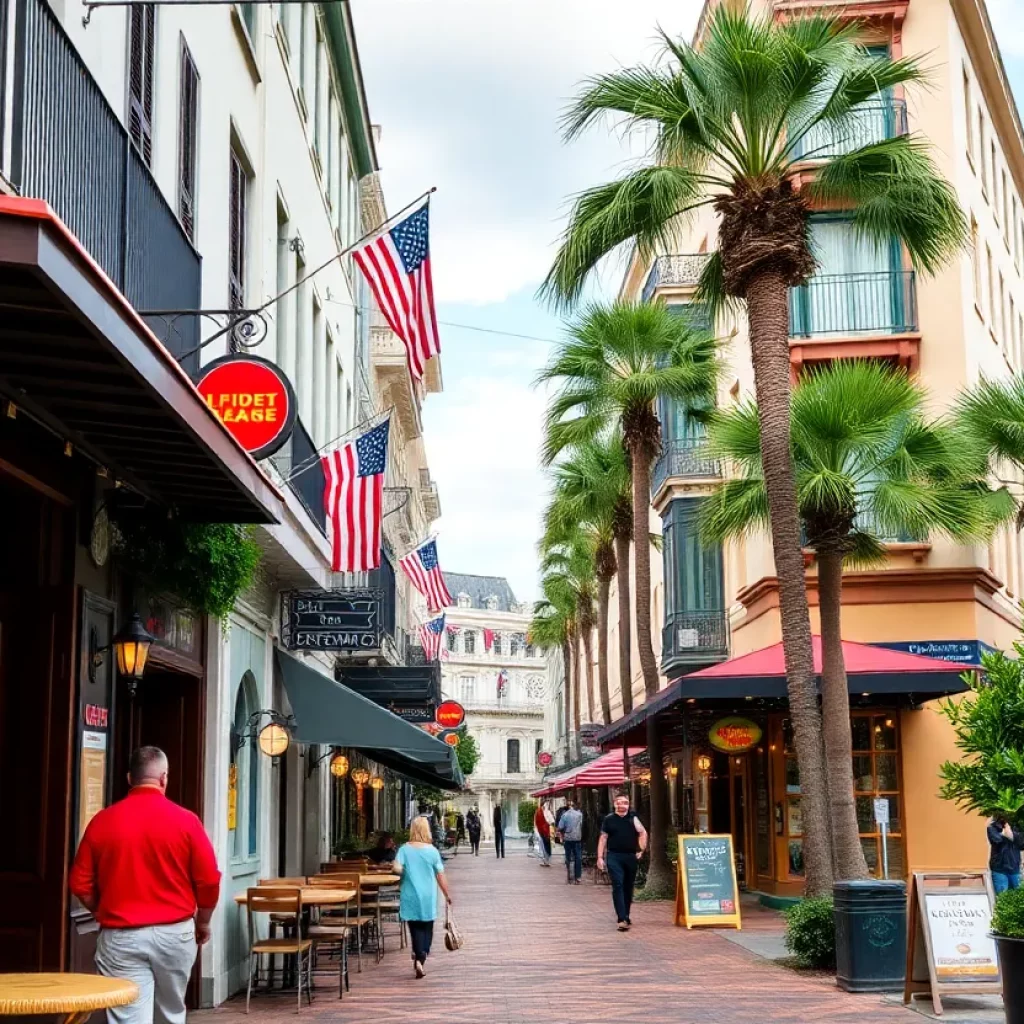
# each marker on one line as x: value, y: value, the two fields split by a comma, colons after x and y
x: 380, y: 417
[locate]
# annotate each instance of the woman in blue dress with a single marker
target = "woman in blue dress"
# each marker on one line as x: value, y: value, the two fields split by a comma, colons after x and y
x: 422, y: 871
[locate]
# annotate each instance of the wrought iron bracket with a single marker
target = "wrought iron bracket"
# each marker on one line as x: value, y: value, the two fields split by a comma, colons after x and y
x: 91, y: 5
x: 246, y: 329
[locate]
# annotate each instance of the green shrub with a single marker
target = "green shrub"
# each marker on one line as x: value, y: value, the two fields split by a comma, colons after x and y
x: 527, y: 809
x: 811, y: 932
x: 1008, y: 916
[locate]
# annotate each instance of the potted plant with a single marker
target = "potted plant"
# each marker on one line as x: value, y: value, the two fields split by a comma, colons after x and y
x: 1008, y: 931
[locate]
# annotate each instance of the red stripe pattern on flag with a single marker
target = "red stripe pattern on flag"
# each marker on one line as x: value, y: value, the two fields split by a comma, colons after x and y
x: 430, y: 637
x: 422, y: 568
x: 354, y: 500
x: 397, y: 266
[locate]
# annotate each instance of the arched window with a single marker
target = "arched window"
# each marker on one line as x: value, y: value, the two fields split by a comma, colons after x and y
x: 245, y: 771
x: 512, y: 747
x: 491, y: 603
x: 463, y: 601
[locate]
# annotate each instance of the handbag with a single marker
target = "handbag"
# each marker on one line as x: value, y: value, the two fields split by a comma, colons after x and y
x: 452, y: 936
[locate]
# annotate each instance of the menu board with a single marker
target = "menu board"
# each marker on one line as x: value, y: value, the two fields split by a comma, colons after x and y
x: 92, y: 778
x: 958, y: 923
x: 706, y: 892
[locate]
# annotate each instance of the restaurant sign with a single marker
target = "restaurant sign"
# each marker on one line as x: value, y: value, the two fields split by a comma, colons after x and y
x: 253, y: 399
x: 450, y: 714
x: 544, y: 759
x: 347, y: 620
x: 734, y: 735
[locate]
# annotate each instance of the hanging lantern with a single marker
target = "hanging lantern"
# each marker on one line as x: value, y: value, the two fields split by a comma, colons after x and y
x: 339, y: 766
x: 274, y: 739
x: 376, y: 783
x: 704, y: 763
x: 360, y: 777
x: 673, y: 770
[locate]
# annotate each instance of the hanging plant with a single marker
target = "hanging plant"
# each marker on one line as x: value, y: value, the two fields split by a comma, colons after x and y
x: 204, y: 565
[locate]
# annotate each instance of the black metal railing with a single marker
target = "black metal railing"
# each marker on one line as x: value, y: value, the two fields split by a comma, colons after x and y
x: 685, y: 457
x: 308, y: 483
x: 866, y: 522
x: 70, y: 148
x: 872, y: 122
x: 694, y: 637
x: 682, y: 269
x: 873, y: 302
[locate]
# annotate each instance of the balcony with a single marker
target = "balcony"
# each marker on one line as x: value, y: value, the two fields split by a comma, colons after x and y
x: 495, y: 658
x: 513, y: 705
x: 691, y: 639
x: 874, y: 302
x: 679, y: 271
x: 395, y: 383
x: 69, y: 147
x: 307, y: 484
x: 429, y: 496
x: 686, y: 458
x: 872, y: 122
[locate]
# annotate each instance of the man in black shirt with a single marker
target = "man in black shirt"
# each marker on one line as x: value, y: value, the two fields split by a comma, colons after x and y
x: 622, y: 843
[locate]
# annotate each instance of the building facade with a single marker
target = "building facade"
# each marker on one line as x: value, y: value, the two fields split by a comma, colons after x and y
x: 499, y: 677
x: 932, y: 596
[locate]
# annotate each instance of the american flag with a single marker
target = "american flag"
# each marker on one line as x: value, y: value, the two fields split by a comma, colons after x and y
x: 502, y: 683
x: 397, y: 266
x: 430, y: 636
x: 353, y: 500
x: 422, y: 568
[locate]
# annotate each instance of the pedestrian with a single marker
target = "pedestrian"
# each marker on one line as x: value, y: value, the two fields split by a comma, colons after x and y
x: 622, y: 843
x: 422, y: 871
x: 146, y: 869
x: 571, y: 828
x: 558, y: 816
x: 460, y: 829
x: 499, y: 832
x: 1006, y: 842
x: 474, y: 826
x: 384, y: 852
x: 542, y: 823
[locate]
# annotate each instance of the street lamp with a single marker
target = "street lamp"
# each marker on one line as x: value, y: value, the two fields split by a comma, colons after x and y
x: 339, y: 766
x: 704, y: 763
x: 130, y: 645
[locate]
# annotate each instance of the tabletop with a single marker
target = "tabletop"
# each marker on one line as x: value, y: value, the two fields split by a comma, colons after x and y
x: 380, y: 878
x: 62, y: 993
x: 312, y: 896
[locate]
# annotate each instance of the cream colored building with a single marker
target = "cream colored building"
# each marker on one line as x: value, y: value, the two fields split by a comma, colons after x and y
x: 931, y: 597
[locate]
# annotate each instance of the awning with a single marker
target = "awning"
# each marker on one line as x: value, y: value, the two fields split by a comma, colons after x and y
x: 605, y: 770
x: 77, y: 357
x: 869, y: 669
x: 333, y: 715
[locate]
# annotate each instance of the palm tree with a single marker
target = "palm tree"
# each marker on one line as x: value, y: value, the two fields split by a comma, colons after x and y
x: 553, y: 625
x: 728, y: 118
x: 868, y: 467
x: 592, y: 488
x: 615, y: 364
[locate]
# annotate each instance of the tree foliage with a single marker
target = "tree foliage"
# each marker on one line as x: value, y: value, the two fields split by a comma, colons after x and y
x: 467, y: 752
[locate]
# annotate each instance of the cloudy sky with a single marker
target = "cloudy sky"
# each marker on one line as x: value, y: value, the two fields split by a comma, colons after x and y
x: 468, y: 94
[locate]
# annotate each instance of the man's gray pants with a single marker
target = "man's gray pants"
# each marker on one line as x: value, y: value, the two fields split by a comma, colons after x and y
x: 159, y: 960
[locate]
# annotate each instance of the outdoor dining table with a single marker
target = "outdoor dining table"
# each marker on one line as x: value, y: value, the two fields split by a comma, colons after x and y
x: 76, y: 996
x: 312, y: 896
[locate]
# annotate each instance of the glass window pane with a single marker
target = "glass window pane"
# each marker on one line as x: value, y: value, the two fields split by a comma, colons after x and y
x: 895, y: 824
x: 886, y: 773
x: 861, y: 728
x: 870, y: 847
x: 863, y: 779
x: 796, y: 820
x: 796, y: 856
x: 865, y: 814
x: 792, y: 775
x: 787, y: 735
x: 897, y: 865
x: 885, y: 734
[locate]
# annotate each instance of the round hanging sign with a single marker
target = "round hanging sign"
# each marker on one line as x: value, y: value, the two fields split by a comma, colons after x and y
x: 734, y: 735
x: 544, y: 759
x: 253, y: 399
x: 450, y: 714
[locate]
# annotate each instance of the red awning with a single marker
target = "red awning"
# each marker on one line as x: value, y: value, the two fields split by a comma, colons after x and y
x: 606, y: 770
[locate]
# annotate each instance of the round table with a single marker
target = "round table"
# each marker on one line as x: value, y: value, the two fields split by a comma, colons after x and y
x: 74, y: 995
x: 380, y: 878
x: 312, y: 896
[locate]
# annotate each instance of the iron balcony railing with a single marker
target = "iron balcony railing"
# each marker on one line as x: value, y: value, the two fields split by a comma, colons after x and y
x: 682, y: 270
x: 694, y: 637
x: 70, y: 148
x: 683, y: 457
x: 866, y: 522
x: 872, y: 122
x: 872, y: 302
x: 308, y: 483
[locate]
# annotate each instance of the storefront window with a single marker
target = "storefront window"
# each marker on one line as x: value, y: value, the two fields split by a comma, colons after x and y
x: 244, y: 775
x: 876, y: 775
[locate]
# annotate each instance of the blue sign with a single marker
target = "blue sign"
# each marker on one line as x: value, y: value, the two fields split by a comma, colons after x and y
x: 962, y: 652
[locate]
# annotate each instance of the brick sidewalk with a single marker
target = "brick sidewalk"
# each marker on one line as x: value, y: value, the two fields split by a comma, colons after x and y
x: 541, y: 952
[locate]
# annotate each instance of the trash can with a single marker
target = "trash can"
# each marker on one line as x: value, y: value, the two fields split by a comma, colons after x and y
x: 871, y: 935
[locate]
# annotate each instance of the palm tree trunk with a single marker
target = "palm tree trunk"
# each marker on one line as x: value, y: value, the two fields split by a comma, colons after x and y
x: 835, y: 716
x: 660, y: 878
x: 625, y: 631
x: 567, y: 696
x: 576, y: 689
x: 604, y: 586
x: 588, y: 654
x: 768, y: 315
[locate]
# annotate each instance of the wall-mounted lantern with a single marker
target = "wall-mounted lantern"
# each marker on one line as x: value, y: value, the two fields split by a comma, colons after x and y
x: 130, y: 645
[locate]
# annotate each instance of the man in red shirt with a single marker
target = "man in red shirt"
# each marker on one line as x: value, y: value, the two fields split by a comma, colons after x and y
x: 542, y: 823
x: 146, y: 869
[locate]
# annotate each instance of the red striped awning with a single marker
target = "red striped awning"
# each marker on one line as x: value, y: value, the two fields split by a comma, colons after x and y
x: 606, y: 770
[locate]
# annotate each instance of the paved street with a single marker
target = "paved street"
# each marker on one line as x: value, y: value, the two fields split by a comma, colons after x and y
x: 541, y: 952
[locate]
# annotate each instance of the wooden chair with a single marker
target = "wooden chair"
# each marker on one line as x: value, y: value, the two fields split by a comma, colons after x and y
x: 286, y: 902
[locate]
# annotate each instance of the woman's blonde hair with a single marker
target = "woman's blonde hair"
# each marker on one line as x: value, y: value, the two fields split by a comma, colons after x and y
x: 419, y: 831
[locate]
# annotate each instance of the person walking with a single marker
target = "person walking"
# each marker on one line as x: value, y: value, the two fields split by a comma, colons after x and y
x: 460, y: 830
x: 542, y: 823
x: 570, y: 825
x: 1004, y: 856
x: 474, y: 826
x: 422, y: 871
x: 147, y: 870
x: 499, y: 832
x: 622, y: 844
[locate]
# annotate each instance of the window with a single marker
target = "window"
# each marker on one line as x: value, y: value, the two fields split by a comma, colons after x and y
x: 318, y: 426
x: 237, y: 197
x: 463, y: 601
x: 450, y: 639
x: 496, y: 644
x: 992, y: 172
x: 249, y: 19
x: 983, y: 153
x: 991, y: 288
x: 531, y: 651
x: 976, y: 263
x: 284, y: 317
x: 515, y: 645
x: 999, y: 313
x: 469, y: 641
x: 188, y: 117
x: 512, y: 754
x: 1016, y: 234
x: 1013, y: 341
x: 1006, y: 211
x: 538, y: 746
x: 142, y: 28
x: 304, y: 15
x: 491, y: 603
x: 876, y: 775
x: 319, y: 76
x: 467, y: 689
x: 968, y: 105
x: 245, y: 771
x: 303, y: 341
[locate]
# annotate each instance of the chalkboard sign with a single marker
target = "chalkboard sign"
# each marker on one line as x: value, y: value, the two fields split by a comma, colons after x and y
x: 706, y: 890
x: 333, y: 621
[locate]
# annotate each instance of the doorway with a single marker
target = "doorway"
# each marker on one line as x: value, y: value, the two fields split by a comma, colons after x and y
x: 731, y: 807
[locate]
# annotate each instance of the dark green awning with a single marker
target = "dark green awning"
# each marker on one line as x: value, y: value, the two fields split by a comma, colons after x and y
x: 330, y: 714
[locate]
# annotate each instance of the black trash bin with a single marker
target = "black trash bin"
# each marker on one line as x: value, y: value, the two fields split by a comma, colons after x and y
x: 871, y: 935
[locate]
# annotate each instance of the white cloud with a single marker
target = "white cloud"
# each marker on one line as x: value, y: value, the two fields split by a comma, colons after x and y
x: 1008, y: 26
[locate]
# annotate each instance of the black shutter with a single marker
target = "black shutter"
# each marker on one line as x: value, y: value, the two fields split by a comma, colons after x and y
x: 140, y: 79
x: 187, y: 139
x: 236, y: 234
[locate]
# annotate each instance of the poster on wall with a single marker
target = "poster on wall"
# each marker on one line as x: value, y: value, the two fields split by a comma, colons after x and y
x: 92, y: 777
